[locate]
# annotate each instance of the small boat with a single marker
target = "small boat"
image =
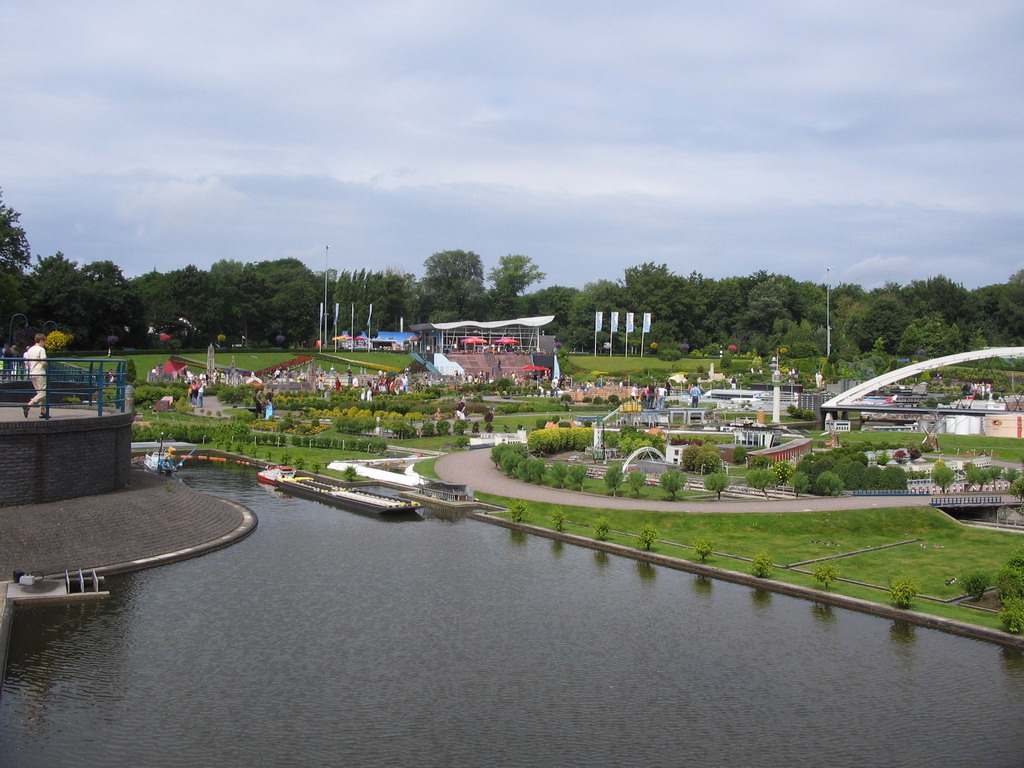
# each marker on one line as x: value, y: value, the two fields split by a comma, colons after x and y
x: 165, y: 462
x: 158, y: 461
x: 350, y: 498
x: 273, y: 474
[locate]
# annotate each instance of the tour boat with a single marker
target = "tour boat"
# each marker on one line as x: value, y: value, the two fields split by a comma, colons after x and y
x: 351, y: 498
x: 273, y: 474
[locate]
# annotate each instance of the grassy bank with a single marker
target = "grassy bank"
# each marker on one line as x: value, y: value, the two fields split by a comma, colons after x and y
x: 930, y: 546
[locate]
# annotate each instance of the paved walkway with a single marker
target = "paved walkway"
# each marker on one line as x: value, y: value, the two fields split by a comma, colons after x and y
x: 475, y: 469
x: 153, y: 521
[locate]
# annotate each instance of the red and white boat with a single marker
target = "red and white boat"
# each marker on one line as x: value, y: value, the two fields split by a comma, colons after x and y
x: 274, y: 474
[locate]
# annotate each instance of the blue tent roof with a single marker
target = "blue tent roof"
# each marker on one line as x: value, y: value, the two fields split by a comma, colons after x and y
x: 399, y: 336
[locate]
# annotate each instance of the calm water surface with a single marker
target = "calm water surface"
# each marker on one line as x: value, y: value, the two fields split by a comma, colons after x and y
x: 328, y: 638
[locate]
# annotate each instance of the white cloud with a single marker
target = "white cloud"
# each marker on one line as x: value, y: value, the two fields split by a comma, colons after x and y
x: 587, y: 135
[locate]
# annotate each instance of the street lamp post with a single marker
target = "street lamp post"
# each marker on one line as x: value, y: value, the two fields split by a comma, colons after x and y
x: 10, y: 330
x: 828, y: 311
x: 776, y: 390
x: 323, y: 342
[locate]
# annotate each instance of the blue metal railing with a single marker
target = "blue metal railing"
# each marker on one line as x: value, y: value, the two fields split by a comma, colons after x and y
x: 966, y: 501
x: 99, y: 384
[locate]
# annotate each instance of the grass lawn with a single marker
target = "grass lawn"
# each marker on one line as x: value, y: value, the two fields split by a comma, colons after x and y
x: 946, y: 549
x: 653, y: 365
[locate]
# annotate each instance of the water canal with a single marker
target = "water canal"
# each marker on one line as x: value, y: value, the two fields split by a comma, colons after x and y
x: 330, y: 638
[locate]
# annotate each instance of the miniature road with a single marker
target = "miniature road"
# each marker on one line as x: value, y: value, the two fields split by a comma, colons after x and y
x: 475, y: 469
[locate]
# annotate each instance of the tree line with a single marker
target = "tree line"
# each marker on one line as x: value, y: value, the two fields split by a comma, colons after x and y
x: 276, y: 303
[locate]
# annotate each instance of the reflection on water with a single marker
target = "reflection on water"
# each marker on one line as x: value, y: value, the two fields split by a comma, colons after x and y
x: 761, y: 598
x: 823, y: 612
x: 646, y: 571
x: 333, y: 639
x: 902, y: 632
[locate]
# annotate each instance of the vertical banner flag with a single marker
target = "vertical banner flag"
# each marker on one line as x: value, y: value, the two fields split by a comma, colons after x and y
x: 369, y: 317
x: 598, y: 321
x: 629, y: 322
x: 615, y: 322
x: 647, y: 322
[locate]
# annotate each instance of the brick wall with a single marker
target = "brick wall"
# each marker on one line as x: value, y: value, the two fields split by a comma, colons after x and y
x: 44, y: 461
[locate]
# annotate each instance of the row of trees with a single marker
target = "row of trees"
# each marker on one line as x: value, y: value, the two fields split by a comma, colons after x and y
x: 275, y: 302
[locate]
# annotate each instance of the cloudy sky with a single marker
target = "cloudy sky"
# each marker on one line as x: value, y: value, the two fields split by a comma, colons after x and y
x: 883, y: 140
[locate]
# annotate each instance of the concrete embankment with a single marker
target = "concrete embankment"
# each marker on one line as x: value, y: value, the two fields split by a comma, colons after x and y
x: 152, y: 522
x: 793, y: 590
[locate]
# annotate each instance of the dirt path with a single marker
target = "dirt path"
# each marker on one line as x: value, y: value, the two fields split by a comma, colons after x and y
x: 475, y: 469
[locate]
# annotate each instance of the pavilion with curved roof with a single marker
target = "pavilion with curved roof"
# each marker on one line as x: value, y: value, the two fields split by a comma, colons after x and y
x: 524, y: 332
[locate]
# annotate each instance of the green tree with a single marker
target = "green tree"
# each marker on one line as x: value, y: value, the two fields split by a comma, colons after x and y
x: 943, y: 476
x: 1017, y: 488
x: 828, y: 484
x: 783, y: 471
x: 762, y: 565
x: 717, y: 482
x: 647, y: 537
x: 825, y: 574
x: 636, y: 480
x: 452, y: 287
x: 602, y: 528
x: 513, y: 275
x: 975, y: 476
x: 932, y: 334
x: 761, y: 480
x: 559, y: 473
x: 703, y: 548
x: 671, y: 482
x: 801, y: 482
x: 902, y: 590
x: 15, y: 255
x: 577, y: 474
x: 613, y: 478
x: 707, y: 459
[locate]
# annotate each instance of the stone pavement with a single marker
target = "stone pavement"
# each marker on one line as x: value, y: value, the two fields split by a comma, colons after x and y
x: 475, y: 469
x: 155, y: 520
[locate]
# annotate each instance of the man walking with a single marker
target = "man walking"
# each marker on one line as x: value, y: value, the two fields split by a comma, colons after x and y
x: 36, y: 361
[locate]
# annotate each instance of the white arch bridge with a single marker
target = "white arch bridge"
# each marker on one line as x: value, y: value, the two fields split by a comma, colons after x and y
x: 851, y: 399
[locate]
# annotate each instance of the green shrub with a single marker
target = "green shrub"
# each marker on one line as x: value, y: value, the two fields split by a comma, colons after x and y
x: 602, y: 528
x: 558, y: 520
x: 647, y: 537
x: 762, y: 565
x: 517, y: 511
x: 825, y: 574
x: 975, y: 583
x: 1012, y: 616
x: 902, y: 590
x: 703, y: 549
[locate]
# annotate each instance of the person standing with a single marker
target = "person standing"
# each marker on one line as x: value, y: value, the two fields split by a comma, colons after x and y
x: 695, y: 393
x: 35, y: 357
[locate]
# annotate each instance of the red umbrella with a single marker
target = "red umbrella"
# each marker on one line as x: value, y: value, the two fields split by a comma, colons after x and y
x: 506, y: 340
x: 534, y: 368
x: 474, y: 340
